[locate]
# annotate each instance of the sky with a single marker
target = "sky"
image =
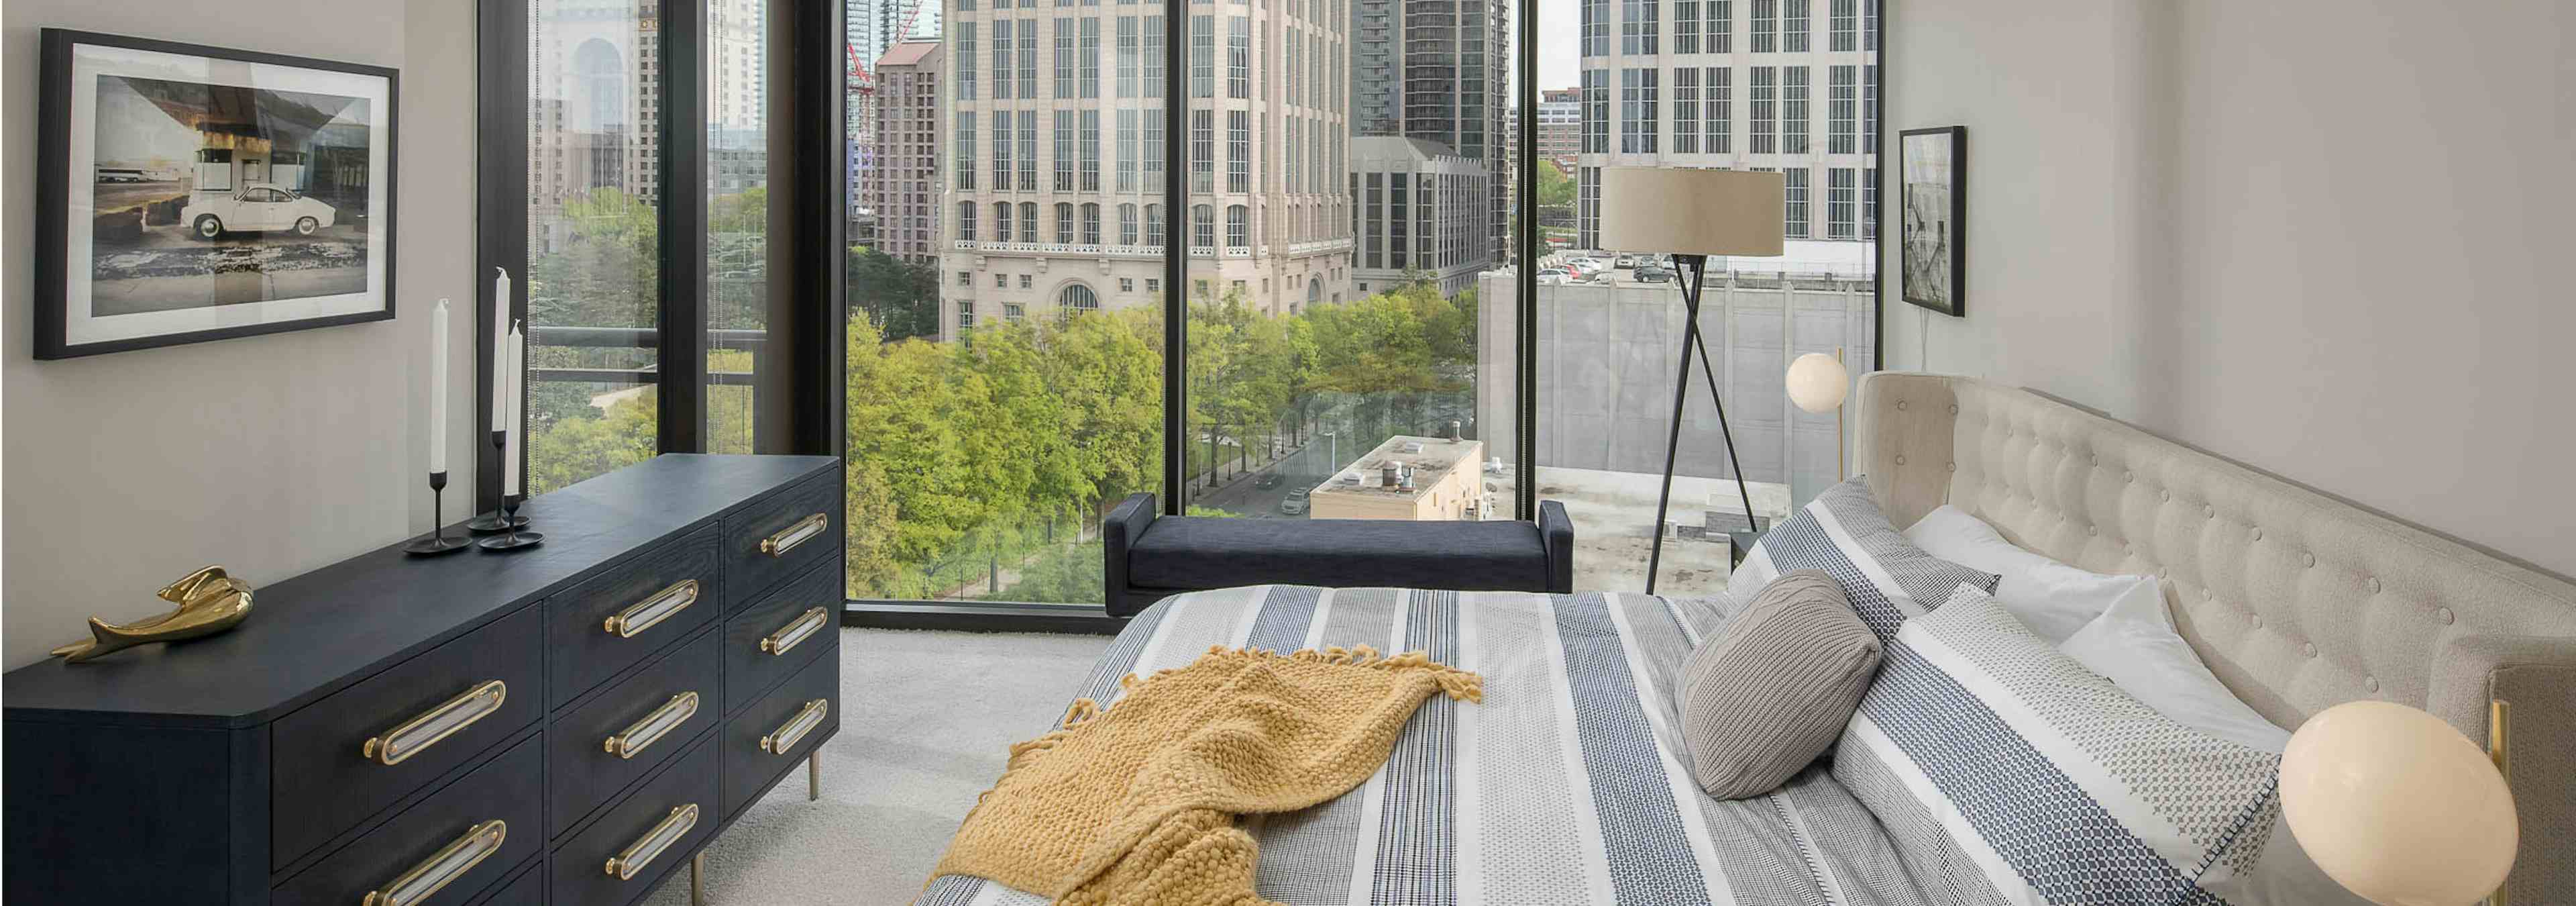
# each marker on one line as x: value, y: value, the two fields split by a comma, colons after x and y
x: 1558, y: 21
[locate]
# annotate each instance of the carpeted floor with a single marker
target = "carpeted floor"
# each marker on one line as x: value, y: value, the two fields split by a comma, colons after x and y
x: 928, y: 719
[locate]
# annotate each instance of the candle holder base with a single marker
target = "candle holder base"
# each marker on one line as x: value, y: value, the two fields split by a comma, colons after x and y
x: 435, y: 545
x: 510, y: 541
x: 492, y: 522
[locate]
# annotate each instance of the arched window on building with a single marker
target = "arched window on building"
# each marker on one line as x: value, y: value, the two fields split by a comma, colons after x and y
x: 1077, y: 297
x: 1029, y: 222
x: 1090, y: 223
x: 1001, y: 221
x: 1202, y: 226
x: 1127, y: 224
x: 1064, y: 223
x: 1314, y: 291
x: 1238, y: 227
x: 966, y: 221
x: 1154, y: 225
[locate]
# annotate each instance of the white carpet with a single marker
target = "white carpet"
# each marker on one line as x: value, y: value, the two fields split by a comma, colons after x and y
x: 927, y: 719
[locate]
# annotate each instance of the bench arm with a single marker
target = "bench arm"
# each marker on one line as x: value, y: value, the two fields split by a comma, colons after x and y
x: 1556, y: 535
x: 1119, y: 532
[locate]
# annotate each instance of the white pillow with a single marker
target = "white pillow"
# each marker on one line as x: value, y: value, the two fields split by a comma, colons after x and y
x: 2134, y: 644
x: 2050, y: 598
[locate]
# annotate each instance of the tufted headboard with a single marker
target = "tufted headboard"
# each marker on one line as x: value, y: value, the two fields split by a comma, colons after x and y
x: 2296, y: 600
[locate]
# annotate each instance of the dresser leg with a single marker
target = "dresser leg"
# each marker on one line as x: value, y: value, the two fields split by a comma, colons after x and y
x: 814, y: 775
x: 697, y: 884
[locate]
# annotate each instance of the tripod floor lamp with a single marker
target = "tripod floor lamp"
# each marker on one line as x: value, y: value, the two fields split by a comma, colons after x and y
x: 1692, y: 214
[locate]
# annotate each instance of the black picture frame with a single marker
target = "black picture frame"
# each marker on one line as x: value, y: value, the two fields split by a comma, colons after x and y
x: 1931, y: 234
x: 54, y: 191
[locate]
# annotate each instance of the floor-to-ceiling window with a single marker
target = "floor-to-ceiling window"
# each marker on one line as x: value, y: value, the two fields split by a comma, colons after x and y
x: 1800, y: 98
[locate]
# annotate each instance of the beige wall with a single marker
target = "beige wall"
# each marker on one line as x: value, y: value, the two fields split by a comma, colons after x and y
x: 2326, y: 238
x: 270, y: 455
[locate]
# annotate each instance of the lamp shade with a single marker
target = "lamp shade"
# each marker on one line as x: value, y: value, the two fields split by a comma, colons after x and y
x: 1818, y: 382
x: 1692, y: 212
x: 2397, y: 806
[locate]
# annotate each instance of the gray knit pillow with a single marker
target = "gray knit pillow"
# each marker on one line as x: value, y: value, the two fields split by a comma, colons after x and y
x: 1775, y: 686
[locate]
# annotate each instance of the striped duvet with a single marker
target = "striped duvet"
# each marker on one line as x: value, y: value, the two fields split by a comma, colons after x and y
x: 1568, y: 785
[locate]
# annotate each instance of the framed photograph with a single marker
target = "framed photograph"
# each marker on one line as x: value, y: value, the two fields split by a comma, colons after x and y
x: 192, y: 193
x: 1934, y: 203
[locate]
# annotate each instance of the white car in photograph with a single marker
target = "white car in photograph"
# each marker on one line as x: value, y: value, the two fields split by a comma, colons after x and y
x: 1555, y: 276
x: 253, y: 208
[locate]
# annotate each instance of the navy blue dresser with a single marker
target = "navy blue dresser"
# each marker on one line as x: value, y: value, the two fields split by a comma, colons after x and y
x: 565, y: 724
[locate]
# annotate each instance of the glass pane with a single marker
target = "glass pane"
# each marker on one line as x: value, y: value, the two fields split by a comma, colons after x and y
x: 737, y: 216
x: 1005, y: 278
x: 592, y: 212
x: 1731, y: 84
x: 1349, y: 183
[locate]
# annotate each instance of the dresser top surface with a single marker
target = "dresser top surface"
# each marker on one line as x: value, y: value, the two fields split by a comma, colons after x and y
x: 313, y: 634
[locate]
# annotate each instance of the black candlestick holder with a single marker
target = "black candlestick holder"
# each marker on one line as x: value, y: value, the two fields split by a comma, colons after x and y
x: 495, y: 521
x: 513, y: 538
x: 437, y: 542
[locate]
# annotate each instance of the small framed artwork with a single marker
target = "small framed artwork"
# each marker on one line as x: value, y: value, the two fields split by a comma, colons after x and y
x: 190, y: 193
x: 1934, y: 204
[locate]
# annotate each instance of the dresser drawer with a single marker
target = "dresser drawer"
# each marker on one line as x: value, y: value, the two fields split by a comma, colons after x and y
x: 654, y: 714
x: 655, y: 827
x: 770, y: 639
x: 528, y: 889
x: 779, y: 536
x: 771, y: 736
x: 465, y: 837
x: 426, y: 716
x: 613, y: 621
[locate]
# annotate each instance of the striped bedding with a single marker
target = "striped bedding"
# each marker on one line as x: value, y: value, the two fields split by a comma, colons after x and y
x: 1568, y: 785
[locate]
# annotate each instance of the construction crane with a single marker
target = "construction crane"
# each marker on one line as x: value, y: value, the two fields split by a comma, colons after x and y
x: 862, y: 80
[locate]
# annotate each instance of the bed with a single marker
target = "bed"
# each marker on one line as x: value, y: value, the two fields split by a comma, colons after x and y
x: 1567, y: 784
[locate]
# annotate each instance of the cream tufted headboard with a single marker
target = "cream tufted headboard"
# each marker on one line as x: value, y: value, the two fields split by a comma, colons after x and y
x: 2296, y: 600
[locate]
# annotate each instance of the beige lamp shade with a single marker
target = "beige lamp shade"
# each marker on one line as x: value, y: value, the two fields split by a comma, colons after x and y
x: 1692, y: 212
x: 1818, y: 382
x: 2397, y: 806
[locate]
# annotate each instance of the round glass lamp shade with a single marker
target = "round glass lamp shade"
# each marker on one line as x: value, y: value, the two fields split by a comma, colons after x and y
x: 2397, y: 806
x: 1818, y: 382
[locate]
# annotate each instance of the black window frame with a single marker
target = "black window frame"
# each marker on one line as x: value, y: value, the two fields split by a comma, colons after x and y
x: 800, y: 380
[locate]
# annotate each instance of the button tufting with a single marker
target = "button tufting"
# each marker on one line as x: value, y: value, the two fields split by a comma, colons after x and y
x: 2310, y: 649
x: 2312, y: 561
x: 1954, y: 467
x: 2090, y: 530
x: 2097, y: 459
x: 2208, y: 511
x: 2130, y: 477
x: 2258, y: 621
x: 1900, y: 405
x: 2166, y: 496
x: 2165, y: 571
x: 1900, y: 460
x: 2374, y: 585
x: 1954, y: 408
x: 2258, y: 534
x: 2445, y: 614
x: 2372, y: 682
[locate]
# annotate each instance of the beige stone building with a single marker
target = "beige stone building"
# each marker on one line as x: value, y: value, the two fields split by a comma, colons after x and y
x: 904, y: 190
x: 1053, y: 181
x: 1418, y: 478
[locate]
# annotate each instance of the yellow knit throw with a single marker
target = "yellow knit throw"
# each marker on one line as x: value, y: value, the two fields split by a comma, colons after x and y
x: 1136, y: 804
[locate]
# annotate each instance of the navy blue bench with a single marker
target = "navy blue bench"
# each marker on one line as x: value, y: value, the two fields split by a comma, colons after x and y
x: 1149, y: 558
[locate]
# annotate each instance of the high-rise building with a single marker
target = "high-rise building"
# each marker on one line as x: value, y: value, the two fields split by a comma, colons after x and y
x: 1775, y: 85
x: 1420, y: 213
x: 1560, y: 125
x: 904, y: 188
x: 594, y: 67
x: 1440, y: 71
x: 1053, y: 188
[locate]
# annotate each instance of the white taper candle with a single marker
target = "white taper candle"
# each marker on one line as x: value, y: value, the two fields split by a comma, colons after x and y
x: 510, y: 449
x: 438, y: 387
x: 500, y: 334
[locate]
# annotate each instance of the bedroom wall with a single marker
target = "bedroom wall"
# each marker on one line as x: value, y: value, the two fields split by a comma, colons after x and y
x: 2320, y: 237
x: 269, y: 455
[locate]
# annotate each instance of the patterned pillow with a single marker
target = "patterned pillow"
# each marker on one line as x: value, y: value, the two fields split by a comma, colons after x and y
x: 2007, y: 773
x: 1842, y: 533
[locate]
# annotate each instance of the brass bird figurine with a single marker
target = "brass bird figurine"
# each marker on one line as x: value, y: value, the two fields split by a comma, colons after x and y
x: 209, y: 602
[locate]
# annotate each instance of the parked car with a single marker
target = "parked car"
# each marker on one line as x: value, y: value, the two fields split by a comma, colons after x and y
x: 1555, y: 276
x: 1625, y: 261
x: 1585, y: 267
x: 255, y: 207
x: 1266, y: 480
x: 1295, y: 503
x: 1653, y: 273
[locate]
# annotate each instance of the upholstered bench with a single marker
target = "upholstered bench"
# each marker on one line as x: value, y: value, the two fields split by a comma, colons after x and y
x: 1149, y: 558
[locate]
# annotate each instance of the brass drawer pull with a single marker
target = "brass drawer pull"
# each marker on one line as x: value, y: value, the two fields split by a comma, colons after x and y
x: 449, y: 863
x: 642, y: 615
x: 804, y: 722
x: 625, y: 864
x: 786, y: 540
x: 419, y: 733
x: 654, y: 726
x: 789, y: 636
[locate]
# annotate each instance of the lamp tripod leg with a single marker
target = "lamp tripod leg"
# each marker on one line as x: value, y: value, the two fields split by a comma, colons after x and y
x: 1681, y: 393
